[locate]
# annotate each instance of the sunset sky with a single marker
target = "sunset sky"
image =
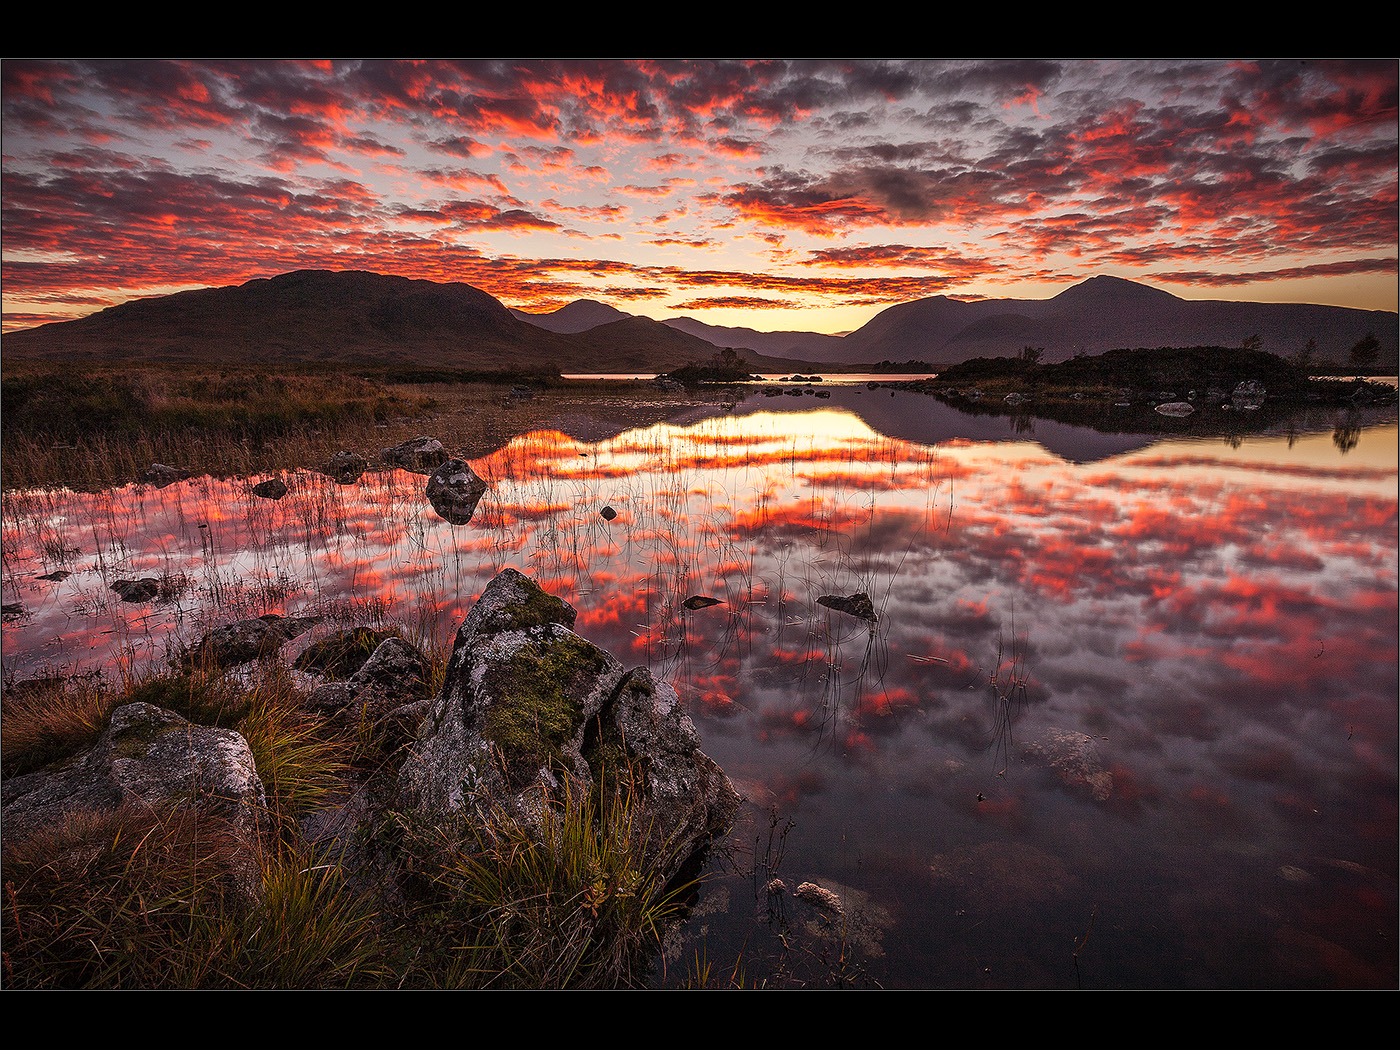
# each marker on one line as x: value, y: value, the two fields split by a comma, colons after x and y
x: 802, y: 195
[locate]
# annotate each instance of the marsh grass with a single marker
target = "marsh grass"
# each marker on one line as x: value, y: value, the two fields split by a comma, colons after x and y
x: 141, y: 898
x: 576, y: 906
x: 88, y: 429
x: 49, y: 719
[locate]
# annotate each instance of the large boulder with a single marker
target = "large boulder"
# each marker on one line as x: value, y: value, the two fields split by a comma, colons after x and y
x: 531, y: 713
x: 149, y: 757
x: 454, y: 490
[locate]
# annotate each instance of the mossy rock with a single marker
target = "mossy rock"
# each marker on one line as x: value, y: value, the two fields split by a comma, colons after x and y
x: 538, y: 706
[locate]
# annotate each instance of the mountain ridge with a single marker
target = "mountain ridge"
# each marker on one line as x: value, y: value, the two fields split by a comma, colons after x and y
x: 363, y: 317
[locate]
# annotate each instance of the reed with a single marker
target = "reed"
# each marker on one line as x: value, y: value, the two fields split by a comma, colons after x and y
x: 140, y: 898
x: 578, y: 906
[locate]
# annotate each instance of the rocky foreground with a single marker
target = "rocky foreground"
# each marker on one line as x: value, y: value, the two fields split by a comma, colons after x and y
x: 529, y: 715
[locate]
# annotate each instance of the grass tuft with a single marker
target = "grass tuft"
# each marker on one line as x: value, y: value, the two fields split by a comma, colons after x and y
x: 578, y: 908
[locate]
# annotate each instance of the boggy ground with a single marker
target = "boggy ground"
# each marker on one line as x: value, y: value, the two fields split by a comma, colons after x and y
x: 68, y: 427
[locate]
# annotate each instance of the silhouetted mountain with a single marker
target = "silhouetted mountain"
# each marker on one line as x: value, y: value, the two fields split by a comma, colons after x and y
x: 305, y: 315
x: 579, y: 316
x: 1108, y: 313
x: 808, y: 346
x: 355, y: 316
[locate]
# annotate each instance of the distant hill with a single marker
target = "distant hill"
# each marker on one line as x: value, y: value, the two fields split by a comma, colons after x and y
x: 1107, y: 313
x: 358, y: 317
x: 579, y: 316
x: 355, y: 316
x: 808, y: 346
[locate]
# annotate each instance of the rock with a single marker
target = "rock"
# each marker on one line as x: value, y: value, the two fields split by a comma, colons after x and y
x: 392, y: 677
x: 151, y: 757
x: 341, y: 654
x: 1075, y: 759
x: 57, y: 576
x: 244, y: 640
x: 858, y: 605
x: 454, y: 490
x: 421, y: 455
x: 608, y: 513
x: 143, y: 590
x: 160, y: 475
x: 273, y: 488
x: 700, y: 601
x: 1015, y: 398
x: 1248, y: 395
x: 530, y: 712
x: 1176, y: 408
x: 819, y: 897
x: 346, y: 468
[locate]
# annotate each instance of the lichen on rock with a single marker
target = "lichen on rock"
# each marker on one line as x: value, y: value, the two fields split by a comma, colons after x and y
x: 531, y: 713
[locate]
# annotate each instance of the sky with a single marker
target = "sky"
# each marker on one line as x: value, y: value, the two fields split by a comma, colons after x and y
x: 776, y: 195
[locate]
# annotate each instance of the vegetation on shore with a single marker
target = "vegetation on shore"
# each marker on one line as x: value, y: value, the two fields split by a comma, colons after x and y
x: 89, y: 429
x: 137, y: 898
x: 1117, y: 392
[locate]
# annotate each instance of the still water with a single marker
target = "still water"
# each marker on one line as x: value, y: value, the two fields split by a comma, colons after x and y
x: 1127, y: 717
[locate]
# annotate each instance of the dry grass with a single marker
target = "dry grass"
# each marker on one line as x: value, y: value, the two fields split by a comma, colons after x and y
x: 86, y: 431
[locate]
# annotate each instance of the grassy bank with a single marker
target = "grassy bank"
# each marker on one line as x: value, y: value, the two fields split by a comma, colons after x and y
x: 87, y: 429
x: 138, y: 898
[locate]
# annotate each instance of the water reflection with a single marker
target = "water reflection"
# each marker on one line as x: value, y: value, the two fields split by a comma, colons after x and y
x: 1149, y: 683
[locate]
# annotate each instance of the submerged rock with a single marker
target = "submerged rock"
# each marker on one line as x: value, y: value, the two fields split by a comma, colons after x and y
x: 608, y: 513
x: 530, y: 713
x: 160, y: 475
x: 819, y: 897
x: 858, y: 605
x: 1075, y: 759
x: 700, y: 601
x: 420, y: 455
x: 454, y: 490
x: 1176, y: 408
x: 273, y: 488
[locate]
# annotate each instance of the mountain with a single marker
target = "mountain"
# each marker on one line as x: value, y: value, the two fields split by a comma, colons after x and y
x: 357, y: 317
x: 810, y: 346
x: 1107, y: 313
x: 579, y: 316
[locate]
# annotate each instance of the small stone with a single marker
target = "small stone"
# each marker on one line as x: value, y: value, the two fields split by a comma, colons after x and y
x: 858, y: 605
x: 142, y: 590
x: 700, y: 601
x: 347, y: 467
x: 608, y: 513
x: 160, y: 475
